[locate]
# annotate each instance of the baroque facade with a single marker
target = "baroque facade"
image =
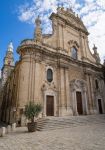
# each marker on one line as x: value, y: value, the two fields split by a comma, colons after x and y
x: 57, y: 70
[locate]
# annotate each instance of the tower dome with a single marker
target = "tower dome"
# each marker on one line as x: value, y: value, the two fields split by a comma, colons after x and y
x: 10, y: 47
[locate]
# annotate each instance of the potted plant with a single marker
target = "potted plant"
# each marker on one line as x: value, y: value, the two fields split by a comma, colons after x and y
x: 32, y: 110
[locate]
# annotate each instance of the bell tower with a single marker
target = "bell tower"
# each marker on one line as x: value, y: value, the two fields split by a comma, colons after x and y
x: 8, y: 63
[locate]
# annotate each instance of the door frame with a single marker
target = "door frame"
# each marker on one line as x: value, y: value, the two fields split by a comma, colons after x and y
x: 101, y: 105
x: 49, y: 93
x: 77, y: 85
x: 51, y: 103
x: 81, y: 102
x: 46, y: 103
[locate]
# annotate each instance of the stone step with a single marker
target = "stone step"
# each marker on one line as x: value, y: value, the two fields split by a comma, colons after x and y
x: 71, y: 122
x: 59, y: 127
x: 66, y: 124
x: 53, y: 123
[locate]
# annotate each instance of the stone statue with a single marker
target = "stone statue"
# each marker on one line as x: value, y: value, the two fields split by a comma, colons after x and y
x: 38, y: 31
x: 96, y: 55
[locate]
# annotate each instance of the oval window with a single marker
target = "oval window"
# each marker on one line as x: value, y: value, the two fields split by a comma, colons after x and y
x: 49, y: 75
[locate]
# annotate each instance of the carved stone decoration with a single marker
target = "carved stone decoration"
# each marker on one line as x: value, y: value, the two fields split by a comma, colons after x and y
x: 73, y: 43
x: 77, y: 84
x: 48, y: 86
x: 96, y: 55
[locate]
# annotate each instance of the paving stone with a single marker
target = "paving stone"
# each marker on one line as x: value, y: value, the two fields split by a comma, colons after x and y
x: 86, y: 137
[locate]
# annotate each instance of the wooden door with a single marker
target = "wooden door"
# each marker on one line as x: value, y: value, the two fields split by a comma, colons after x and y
x: 100, y: 106
x: 50, y: 106
x: 79, y: 103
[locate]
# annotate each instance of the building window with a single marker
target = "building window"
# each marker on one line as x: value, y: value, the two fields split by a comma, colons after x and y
x: 74, y: 53
x: 96, y: 84
x: 49, y: 75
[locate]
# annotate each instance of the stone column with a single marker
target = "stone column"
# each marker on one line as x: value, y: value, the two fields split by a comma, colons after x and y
x: 85, y: 108
x: 103, y: 94
x: 74, y: 101
x: 44, y: 104
x: 60, y: 36
x: 89, y: 93
x: 62, y: 96
x: 55, y: 105
x: 69, y: 111
x: 92, y: 96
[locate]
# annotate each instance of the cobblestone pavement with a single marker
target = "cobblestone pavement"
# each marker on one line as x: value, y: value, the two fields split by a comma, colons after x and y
x: 76, y: 138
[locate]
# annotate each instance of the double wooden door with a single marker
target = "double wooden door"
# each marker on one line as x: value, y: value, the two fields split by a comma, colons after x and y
x: 50, y: 106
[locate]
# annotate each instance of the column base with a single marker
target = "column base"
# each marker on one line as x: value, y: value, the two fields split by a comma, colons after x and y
x: 65, y: 111
x: 93, y: 111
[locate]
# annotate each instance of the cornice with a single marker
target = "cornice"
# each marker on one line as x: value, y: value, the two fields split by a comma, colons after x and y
x: 57, y: 55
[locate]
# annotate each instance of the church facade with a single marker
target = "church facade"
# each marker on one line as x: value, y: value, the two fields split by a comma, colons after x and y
x: 57, y: 70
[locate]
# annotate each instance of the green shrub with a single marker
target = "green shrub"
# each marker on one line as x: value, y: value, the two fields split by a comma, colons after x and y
x: 32, y: 110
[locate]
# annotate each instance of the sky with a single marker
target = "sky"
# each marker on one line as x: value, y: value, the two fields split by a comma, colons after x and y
x: 17, y: 19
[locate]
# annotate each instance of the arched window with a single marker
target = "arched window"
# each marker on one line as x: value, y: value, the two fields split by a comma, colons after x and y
x: 49, y: 75
x: 74, y: 52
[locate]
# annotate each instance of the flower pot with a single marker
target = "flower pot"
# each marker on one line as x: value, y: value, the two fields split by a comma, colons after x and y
x: 32, y: 126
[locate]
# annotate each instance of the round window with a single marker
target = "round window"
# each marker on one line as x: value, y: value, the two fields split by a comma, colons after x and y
x: 49, y: 75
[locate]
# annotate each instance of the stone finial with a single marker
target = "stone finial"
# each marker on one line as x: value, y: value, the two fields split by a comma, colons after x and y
x: 77, y: 16
x: 62, y: 7
x: 58, y: 8
x: 10, y: 47
x: 38, y: 30
x: 96, y: 55
x: 95, y: 49
x: 38, y: 21
x: 104, y: 62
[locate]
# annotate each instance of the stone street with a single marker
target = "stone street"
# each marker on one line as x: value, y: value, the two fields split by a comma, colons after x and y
x: 86, y: 137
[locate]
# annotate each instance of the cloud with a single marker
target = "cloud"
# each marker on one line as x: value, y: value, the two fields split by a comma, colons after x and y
x: 92, y: 13
x: 93, y: 16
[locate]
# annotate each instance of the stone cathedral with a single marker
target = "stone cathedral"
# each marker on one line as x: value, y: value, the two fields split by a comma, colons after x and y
x: 57, y: 70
